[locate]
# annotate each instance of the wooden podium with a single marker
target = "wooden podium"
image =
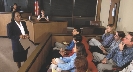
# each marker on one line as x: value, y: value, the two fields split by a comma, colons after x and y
x: 37, y: 29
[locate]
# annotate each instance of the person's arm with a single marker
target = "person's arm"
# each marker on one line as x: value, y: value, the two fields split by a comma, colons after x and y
x: 67, y: 66
x: 65, y: 59
x: 10, y: 32
x: 111, y: 53
x: 107, y: 39
x: 70, y: 47
x: 122, y: 60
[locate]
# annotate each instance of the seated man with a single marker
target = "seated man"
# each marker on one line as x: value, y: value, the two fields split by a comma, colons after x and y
x: 118, y: 38
x: 75, y: 31
x: 119, y: 35
x: 119, y: 55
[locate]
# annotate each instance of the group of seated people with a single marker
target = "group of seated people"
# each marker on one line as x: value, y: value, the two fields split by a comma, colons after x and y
x: 114, y: 50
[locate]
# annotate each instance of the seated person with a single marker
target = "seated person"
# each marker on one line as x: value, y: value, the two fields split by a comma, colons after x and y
x: 81, y: 64
x: 62, y: 51
x: 91, y: 65
x: 42, y: 17
x: 118, y: 56
x: 118, y: 38
x: 69, y: 61
x: 107, y: 39
x: 15, y: 7
x: 75, y: 31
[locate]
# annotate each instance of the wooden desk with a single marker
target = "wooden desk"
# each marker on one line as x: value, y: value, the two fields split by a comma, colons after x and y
x: 37, y: 29
x: 5, y: 18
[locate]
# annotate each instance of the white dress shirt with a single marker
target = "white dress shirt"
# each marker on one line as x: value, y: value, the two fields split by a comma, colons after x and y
x: 21, y: 28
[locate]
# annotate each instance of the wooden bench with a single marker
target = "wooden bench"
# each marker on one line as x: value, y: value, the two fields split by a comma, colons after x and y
x: 40, y: 55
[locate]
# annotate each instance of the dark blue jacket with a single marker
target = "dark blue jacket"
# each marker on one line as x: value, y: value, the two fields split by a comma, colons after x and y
x: 14, y: 33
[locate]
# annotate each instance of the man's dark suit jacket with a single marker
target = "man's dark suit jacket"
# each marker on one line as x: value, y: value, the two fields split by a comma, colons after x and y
x: 14, y: 33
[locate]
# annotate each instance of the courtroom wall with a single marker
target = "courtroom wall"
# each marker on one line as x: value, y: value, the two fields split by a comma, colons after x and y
x: 26, y: 5
x: 125, y: 16
x: 104, y: 14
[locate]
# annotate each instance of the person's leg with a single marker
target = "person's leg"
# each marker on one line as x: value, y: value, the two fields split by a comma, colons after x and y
x: 18, y: 64
x: 97, y: 57
x: 101, y: 67
x: 59, y: 45
x: 96, y: 49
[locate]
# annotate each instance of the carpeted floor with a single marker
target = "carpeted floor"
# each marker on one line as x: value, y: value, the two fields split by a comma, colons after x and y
x: 6, y: 57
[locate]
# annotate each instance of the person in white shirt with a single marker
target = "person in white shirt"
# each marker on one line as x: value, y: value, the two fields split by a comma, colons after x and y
x: 42, y: 16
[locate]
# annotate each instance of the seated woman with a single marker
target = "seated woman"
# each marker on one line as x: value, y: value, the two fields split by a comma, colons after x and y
x: 15, y: 7
x: 42, y: 17
x: 68, y: 63
x: 81, y: 64
x: 57, y: 53
x: 107, y: 39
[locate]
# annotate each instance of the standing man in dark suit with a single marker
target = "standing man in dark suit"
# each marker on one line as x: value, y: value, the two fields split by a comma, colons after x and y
x: 17, y: 30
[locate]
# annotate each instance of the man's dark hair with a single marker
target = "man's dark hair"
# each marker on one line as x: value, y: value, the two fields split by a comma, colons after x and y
x: 78, y: 29
x: 131, y: 33
x: 121, y: 34
x: 77, y: 38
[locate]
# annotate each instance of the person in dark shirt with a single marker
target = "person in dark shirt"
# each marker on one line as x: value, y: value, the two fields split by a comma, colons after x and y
x: 17, y: 30
x: 15, y: 7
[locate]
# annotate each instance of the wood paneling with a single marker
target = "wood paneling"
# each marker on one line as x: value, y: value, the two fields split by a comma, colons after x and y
x: 38, y: 56
x: 37, y: 29
x: 5, y: 18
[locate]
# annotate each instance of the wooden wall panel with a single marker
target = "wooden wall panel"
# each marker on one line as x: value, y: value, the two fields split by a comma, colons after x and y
x: 5, y: 18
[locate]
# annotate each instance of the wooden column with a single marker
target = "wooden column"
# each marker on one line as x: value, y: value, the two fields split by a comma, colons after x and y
x: 98, y: 10
x: 113, y: 19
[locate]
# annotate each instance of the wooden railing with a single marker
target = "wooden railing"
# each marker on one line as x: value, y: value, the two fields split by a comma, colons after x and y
x: 38, y: 56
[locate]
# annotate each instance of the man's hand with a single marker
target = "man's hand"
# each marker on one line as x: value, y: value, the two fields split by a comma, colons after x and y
x: 121, y: 46
x: 104, y: 51
x: 104, y: 61
x: 102, y: 48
